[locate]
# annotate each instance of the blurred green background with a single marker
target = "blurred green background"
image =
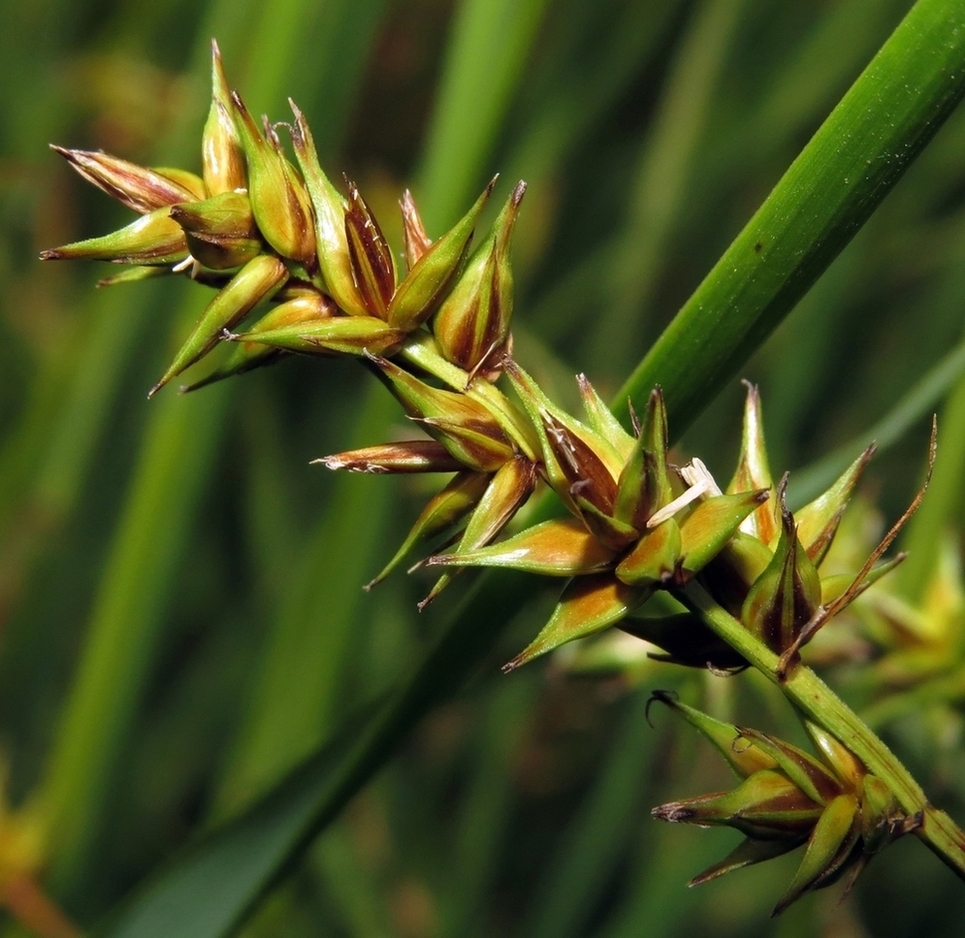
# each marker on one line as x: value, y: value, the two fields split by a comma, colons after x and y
x: 181, y: 617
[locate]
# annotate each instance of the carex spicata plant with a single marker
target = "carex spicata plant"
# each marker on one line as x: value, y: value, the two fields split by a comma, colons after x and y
x: 301, y: 267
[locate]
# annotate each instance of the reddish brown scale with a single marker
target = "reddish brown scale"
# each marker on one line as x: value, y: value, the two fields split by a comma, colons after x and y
x: 370, y: 254
x: 584, y: 470
x: 415, y: 240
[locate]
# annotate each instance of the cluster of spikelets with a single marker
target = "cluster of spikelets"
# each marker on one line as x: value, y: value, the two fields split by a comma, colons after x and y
x: 301, y: 268
x: 841, y: 813
x: 260, y: 230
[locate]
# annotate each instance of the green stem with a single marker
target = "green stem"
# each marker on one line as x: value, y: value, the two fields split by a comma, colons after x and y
x: 817, y: 701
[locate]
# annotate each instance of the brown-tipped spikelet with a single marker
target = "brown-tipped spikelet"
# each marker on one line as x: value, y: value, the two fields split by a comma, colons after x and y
x: 278, y: 196
x: 472, y: 324
x: 433, y: 272
x: 136, y: 187
x: 222, y: 156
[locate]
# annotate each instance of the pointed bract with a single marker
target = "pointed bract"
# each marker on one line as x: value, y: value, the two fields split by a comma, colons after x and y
x: 785, y: 596
x: 406, y: 456
x: 255, y: 282
x: 508, y: 489
x: 739, y: 752
x: 644, y: 485
x: 766, y: 805
x: 818, y: 521
x: 463, y: 425
x: 746, y: 853
x: 415, y: 240
x: 712, y: 524
x: 279, y: 199
x: 429, y: 278
x: 220, y: 231
x: 154, y: 238
x: 473, y: 322
x: 753, y: 471
x: 305, y: 306
x: 600, y: 419
x: 330, y: 208
x: 139, y: 188
x: 562, y: 547
x: 332, y: 335
x: 828, y: 848
x: 589, y: 604
x: 372, y: 265
x: 654, y: 558
x: 445, y: 510
x: 223, y: 159
x: 576, y: 461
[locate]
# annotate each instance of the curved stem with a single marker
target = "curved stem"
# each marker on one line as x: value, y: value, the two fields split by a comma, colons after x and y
x: 815, y: 699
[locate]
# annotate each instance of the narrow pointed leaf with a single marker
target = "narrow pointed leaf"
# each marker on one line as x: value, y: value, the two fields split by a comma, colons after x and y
x: 877, y: 130
x: 562, y: 547
x: 746, y: 853
x: 256, y: 281
x: 444, y: 510
x: 828, y: 847
x: 589, y: 604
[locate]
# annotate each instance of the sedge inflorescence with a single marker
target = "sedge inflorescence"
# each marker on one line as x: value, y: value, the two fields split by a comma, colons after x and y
x: 301, y: 267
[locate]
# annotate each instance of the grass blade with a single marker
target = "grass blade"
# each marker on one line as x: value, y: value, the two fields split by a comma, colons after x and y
x: 831, y: 189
